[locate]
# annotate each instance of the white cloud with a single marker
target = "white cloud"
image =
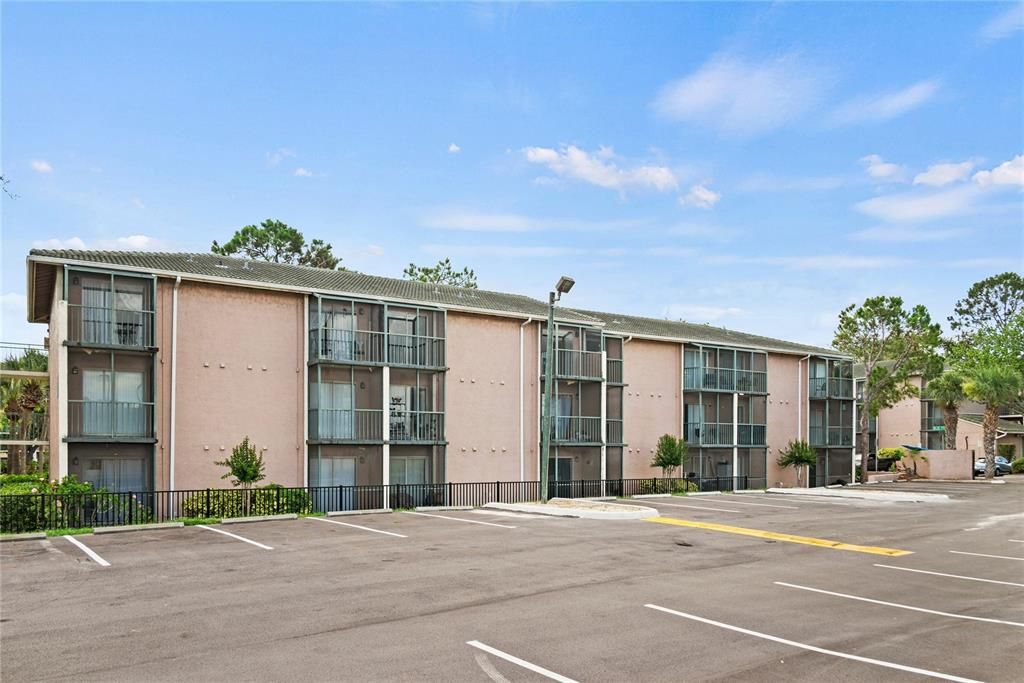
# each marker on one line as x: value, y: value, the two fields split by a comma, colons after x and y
x: 41, y: 166
x: 879, y: 169
x: 137, y: 203
x: 887, y: 233
x: 277, y: 156
x: 697, y: 313
x: 764, y: 182
x: 599, y: 169
x: 885, y: 105
x: 126, y: 243
x: 915, y: 206
x: 303, y: 172
x: 1007, y: 173
x: 938, y: 175
x: 454, y: 149
x: 375, y: 250
x: 742, y: 97
x: 1004, y: 24
x: 475, y: 221
x: 700, y: 196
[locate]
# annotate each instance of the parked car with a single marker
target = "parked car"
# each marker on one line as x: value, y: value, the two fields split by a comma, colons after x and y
x: 1002, y: 466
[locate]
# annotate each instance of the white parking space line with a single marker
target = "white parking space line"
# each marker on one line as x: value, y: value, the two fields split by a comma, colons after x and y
x: 89, y: 551
x: 1016, y: 540
x: 459, y: 519
x: 694, y: 507
x: 996, y: 557
x: 520, y: 662
x: 235, y: 536
x: 951, y: 576
x: 356, y: 526
x: 519, y: 515
x: 896, y: 604
x: 813, y: 648
x: 763, y: 505
x: 801, y: 499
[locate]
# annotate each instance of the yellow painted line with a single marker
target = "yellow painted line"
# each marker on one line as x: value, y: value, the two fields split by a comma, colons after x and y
x: 776, y: 536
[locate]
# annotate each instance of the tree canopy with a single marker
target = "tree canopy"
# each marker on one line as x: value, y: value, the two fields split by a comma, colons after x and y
x: 278, y: 242
x: 443, y: 273
x: 989, y: 304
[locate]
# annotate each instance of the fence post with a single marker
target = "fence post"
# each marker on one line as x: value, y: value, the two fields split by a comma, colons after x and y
x: 131, y: 497
x: 449, y: 496
x: 207, y: 503
x: 497, y: 491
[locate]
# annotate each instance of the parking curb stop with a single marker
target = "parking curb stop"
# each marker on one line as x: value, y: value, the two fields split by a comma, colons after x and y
x: 262, y: 518
x: 137, y: 527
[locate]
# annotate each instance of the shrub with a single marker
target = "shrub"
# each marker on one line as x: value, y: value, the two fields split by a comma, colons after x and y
x: 1007, y: 450
x: 272, y: 499
x: 1017, y: 466
x: 245, y: 466
x: 19, y: 511
x: 890, y: 453
x: 38, y: 479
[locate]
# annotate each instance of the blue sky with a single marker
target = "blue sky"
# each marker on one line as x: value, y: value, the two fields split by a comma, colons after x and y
x: 754, y: 166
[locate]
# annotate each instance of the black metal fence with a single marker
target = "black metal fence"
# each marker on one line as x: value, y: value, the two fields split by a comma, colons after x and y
x: 43, y: 511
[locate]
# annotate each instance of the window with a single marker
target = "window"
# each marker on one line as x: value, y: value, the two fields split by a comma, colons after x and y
x: 337, y: 402
x: 338, y: 335
x: 409, y: 470
x: 112, y: 403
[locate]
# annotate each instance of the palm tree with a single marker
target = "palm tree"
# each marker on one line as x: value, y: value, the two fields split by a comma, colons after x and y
x: 993, y: 385
x: 947, y: 390
x: 797, y: 454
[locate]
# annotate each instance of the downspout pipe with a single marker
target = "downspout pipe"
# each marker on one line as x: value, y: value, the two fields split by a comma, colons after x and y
x: 174, y: 377
x: 522, y: 398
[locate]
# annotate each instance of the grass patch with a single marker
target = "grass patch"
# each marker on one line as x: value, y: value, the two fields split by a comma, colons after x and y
x: 312, y: 514
x: 192, y: 521
x: 69, y: 532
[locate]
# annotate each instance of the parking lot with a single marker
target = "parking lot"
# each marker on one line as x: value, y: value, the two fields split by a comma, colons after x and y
x: 754, y: 587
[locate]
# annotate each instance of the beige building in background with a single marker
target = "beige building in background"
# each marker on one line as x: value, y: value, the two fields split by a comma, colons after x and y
x: 160, y: 363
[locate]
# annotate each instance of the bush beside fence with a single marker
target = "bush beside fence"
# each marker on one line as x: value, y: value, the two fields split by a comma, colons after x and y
x: 21, y: 512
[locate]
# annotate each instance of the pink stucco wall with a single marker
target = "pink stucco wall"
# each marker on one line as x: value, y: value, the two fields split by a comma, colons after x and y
x: 161, y: 453
x: 240, y: 373
x: 946, y: 464
x: 901, y: 424
x: 787, y: 394
x: 652, y: 403
x: 483, y: 398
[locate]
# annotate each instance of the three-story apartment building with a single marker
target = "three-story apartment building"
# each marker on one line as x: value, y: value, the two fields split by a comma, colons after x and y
x: 160, y: 363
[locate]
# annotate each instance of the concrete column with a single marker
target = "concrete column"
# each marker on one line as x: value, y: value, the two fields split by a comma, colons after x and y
x: 304, y: 384
x: 604, y: 418
x: 735, y: 433
x: 386, y: 426
x: 58, y: 335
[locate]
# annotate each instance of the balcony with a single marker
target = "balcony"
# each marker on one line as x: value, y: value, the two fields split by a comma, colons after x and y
x: 933, y: 424
x: 346, y: 425
x: 416, y: 426
x: 613, y: 431
x: 415, y: 351
x: 725, y: 379
x: 751, y: 435
x: 576, y: 429
x: 110, y: 420
x: 840, y: 436
x: 840, y: 387
x: 614, y: 371
x: 573, y: 364
x: 347, y: 346
x: 710, y: 433
x: 817, y: 387
x: 816, y: 435
x: 114, y: 327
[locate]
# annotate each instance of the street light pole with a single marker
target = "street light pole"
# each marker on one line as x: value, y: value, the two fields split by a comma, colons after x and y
x: 563, y: 286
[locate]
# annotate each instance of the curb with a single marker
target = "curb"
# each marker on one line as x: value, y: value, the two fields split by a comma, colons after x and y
x: 137, y: 527
x: 30, y: 536
x: 892, y: 497
x: 441, y: 508
x: 348, y: 513
x: 264, y: 518
x: 961, y: 481
x: 582, y: 513
x: 651, y: 495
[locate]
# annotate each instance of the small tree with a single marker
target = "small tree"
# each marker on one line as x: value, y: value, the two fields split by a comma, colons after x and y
x: 443, y: 273
x: 245, y: 466
x: 892, y: 344
x: 993, y: 385
x: 798, y: 454
x: 670, y: 454
x: 947, y: 390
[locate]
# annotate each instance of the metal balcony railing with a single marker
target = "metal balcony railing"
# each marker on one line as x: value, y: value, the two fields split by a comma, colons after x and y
x: 614, y: 372
x: 840, y: 436
x: 613, y: 431
x: 816, y: 435
x: 817, y: 387
x: 346, y: 425
x: 575, y: 364
x: 416, y: 425
x: 416, y: 351
x: 99, y: 326
x: 576, y: 429
x: 710, y: 433
x: 751, y: 435
x: 347, y: 346
x: 725, y: 379
x: 110, y: 419
x: 930, y: 424
x: 840, y: 387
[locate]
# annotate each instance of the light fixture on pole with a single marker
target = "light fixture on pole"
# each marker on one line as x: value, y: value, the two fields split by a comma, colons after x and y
x: 563, y: 287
